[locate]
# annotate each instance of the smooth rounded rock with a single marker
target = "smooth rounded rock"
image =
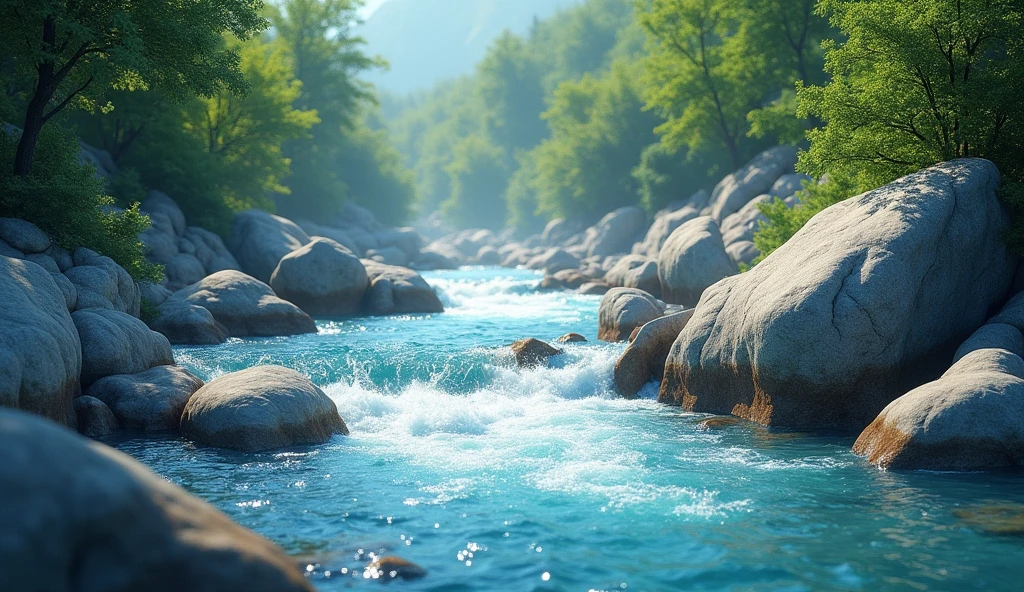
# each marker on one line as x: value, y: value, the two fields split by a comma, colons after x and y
x: 624, y: 309
x: 260, y: 408
x: 692, y: 259
x: 259, y: 240
x: 95, y: 419
x: 323, y: 278
x: 149, y: 401
x: 644, y: 358
x: 24, y: 236
x: 117, y: 343
x: 530, y: 352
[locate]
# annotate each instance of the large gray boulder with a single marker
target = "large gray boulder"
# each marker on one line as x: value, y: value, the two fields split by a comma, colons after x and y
x: 558, y: 231
x: 184, y: 323
x: 616, y: 232
x: 972, y: 418
x: 210, y: 250
x: 756, y: 177
x: 635, y: 271
x: 742, y: 225
x: 24, y: 236
x: 397, y: 290
x: 40, y: 355
x: 79, y: 516
x: 624, y: 309
x: 867, y: 301
x: 148, y: 401
x: 101, y: 283
x: 260, y: 408
x: 117, y: 343
x: 692, y: 259
x: 644, y: 358
x: 158, y: 202
x: 243, y: 305
x: 665, y: 223
x: 335, y: 234
x: 322, y: 278
x: 95, y: 419
x: 259, y: 240
x: 553, y: 260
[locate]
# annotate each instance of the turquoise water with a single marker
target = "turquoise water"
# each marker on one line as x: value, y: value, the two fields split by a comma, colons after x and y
x: 496, y: 479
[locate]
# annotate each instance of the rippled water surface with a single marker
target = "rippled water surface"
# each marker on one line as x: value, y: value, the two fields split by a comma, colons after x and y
x: 496, y: 479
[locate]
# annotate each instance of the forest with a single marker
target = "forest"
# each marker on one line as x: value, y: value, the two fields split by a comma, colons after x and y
x: 228, y: 105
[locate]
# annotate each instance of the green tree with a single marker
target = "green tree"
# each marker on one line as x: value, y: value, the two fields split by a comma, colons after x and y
x: 512, y: 94
x: 74, y: 51
x: 665, y: 175
x: 916, y: 82
x: 478, y: 180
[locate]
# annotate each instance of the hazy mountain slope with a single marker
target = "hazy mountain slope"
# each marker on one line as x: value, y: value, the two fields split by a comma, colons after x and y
x: 430, y: 40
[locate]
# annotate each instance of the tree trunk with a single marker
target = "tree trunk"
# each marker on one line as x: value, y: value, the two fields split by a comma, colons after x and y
x: 29, y: 136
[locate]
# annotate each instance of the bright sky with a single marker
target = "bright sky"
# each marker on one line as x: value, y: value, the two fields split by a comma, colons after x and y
x: 371, y: 5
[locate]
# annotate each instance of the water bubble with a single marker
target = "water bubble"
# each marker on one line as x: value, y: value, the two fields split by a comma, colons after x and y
x: 309, y: 567
x: 545, y: 576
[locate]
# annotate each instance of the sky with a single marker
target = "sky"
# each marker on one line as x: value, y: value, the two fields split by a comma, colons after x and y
x: 369, y: 7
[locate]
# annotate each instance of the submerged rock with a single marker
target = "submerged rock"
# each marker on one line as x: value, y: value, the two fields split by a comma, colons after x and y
x: 572, y: 338
x: 260, y: 408
x: 997, y: 519
x: 79, y: 515
x: 624, y: 309
x: 391, y: 567
x: 530, y: 352
x: 644, y: 359
x: 867, y: 301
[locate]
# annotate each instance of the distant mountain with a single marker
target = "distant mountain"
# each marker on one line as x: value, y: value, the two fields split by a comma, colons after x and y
x: 426, y: 41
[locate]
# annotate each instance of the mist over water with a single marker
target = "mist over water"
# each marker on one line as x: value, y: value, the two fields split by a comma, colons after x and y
x: 495, y: 478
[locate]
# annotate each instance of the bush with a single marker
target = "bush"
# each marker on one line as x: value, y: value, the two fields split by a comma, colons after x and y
x: 64, y: 199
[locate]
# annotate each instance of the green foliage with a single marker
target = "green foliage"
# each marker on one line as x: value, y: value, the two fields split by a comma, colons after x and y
x: 375, y: 176
x: 667, y: 175
x: 125, y: 187
x: 478, y: 177
x: 65, y: 199
x: 512, y: 95
x: 598, y: 131
x: 918, y: 82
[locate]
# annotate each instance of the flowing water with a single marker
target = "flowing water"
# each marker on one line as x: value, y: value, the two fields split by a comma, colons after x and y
x: 493, y: 478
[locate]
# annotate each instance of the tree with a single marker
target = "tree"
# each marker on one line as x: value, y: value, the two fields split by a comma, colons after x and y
x: 245, y: 133
x: 512, y: 95
x: 478, y: 180
x: 74, y: 51
x: 918, y: 82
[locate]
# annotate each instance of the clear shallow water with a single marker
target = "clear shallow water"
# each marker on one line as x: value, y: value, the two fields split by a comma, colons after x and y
x: 492, y: 478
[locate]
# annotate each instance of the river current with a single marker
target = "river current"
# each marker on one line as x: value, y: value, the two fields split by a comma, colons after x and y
x: 492, y: 478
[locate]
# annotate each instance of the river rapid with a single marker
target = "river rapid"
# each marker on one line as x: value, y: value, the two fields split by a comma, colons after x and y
x: 492, y: 478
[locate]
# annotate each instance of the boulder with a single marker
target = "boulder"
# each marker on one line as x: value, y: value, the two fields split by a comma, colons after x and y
x: 260, y: 408
x: 322, y: 278
x: 67, y: 289
x: 397, y: 290
x: 625, y: 309
x: 40, y: 355
x: 594, y: 289
x: 488, y: 255
x: 183, y: 269
x: 558, y: 231
x: 742, y: 225
x: 572, y: 338
x: 95, y: 419
x: 114, y: 342
x: 183, y: 323
x: 259, y: 240
x: 337, y: 235
x: 635, y: 271
x: 44, y: 261
x: 743, y: 252
x: 79, y: 515
x: 430, y: 260
x: 62, y: 257
x: 787, y: 185
x: 553, y: 260
x: 756, y: 177
x: 243, y: 305
x: 210, y: 250
x: 616, y: 232
x: 391, y: 567
x: 567, y: 279
x: 157, y: 202
x: 644, y: 358
x: 692, y: 259
x: 148, y: 401
x: 7, y: 250
x: 664, y: 224
x: 869, y: 300
x: 972, y: 418
x: 530, y: 352
x: 102, y: 283
x: 23, y: 236
x: 155, y: 294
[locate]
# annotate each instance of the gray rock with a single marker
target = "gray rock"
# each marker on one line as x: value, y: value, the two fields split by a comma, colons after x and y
x: 972, y: 418
x: 692, y: 259
x: 117, y: 343
x: 635, y: 271
x: 788, y: 184
x: 553, y: 260
x: 7, y: 250
x: 742, y: 225
x: 594, y: 289
x: 625, y: 309
x: 869, y: 300
x: 183, y: 323
x: 335, y: 234
x: 397, y: 290
x: 159, y: 239
x: 40, y: 356
x: 992, y: 336
x: 155, y: 294
x: 182, y: 270
x: 148, y: 401
x: 186, y: 246
x: 644, y: 358
x: 119, y: 289
x: 388, y: 256
x: 756, y: 177
x: 44, y: 261
x: 664, y: 224
x: 157, y: 202
x: 23, y: 236
x: 61, y: 257
x: 567, y: 279
x: 95, y: 419
x: 243, y: 305
x: 66, y: 288
x: 743, y: 252
x: 260, y: 408
x: 558, y: 231
x: 322, y: 278
x: 616, y: 232
x: 259, y: 240
x: 428, y: 260
x: 79, y: 515
x: 210, y: 250
x: 488, y: 255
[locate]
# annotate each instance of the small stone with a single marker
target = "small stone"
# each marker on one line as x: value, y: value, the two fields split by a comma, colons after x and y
x: 532, y: 352
x: 391, y: 567
x: 717, y: 423
x: 572, y: 338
